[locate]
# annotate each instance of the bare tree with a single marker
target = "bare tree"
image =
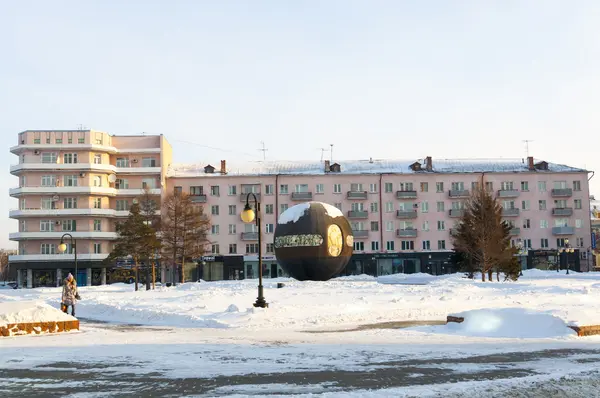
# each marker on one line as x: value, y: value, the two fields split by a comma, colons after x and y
x: 4, y: 263
x: 184, y: 230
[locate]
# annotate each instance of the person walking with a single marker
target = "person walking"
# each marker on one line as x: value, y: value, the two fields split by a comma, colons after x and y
x: 70, y: 295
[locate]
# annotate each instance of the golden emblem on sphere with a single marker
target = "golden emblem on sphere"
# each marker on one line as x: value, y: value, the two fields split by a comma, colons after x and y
x: 349, y: 240
x: 334, y: 240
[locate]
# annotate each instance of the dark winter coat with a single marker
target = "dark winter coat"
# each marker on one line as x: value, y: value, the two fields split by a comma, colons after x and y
x: 69, y: 292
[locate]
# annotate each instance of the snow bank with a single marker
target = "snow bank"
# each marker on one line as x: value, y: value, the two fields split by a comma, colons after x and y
x: 30, y: 312
x: 294, y: 213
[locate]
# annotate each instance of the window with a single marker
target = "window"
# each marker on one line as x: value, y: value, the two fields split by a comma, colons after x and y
x: 23, y: 181
x: 252, y: 248
x: 337, y: 188
x: 122, y: 205
x: 270, y: 248
x: 269, y: 189
x: 373, y: 188
x: 357, y: 206
x: 232, y: 229
x: 389, y: 207
x: 525, y: 186
x: 578, y: 223
x: 97, y: 159
x: 122, y: 162
x: 577, y: 203
x: 283, y: 189
x: 561, y: 222
x: 389, y: 187
x: 542, y: 186
x: 320, y: 188
x: 526, y: 244
x: 560, y: 203
x: 374, y: 207
x: 70, y: 225
x: 389, y: 245
x: 356, y: 187
x: 579, y: 242
x: 408, y: 245
x: 359, y: 246
x: 268, y: 209
x: 48, y: 248
x: 232, y: 210
x: 214, y: 190
x: 424, y: 207
x: 22, y: 226
x: 425, y: 226
x: 70, y: 158
x: 542, y: 204
x: 440, y: 206
x: 48, y: 181
x: 526, y: 223
x: 406, y: 186
x: 36, y: 141
x: 508, y: 204
x: 475, y: 186
x: 458, y: 186
x: 81, y: 140
x: 441, y: 244
x: 47, y: 204
x: 70, y: 181
x: 269, y: 229
x: 97, y: 248
x: 49, y: 157
x: 525, y: 205
x: 338, y: 206
x: 439, y: 187
x: 148, y: 162
x: 301, y: 188
x: 576, y: 185
x: 97, y: 203
x: 389, y: 226
x: 215, y: 248
x: 46, y: 226
x: 97, y: 225
x: 374, y: 226
x: 47, y: 138
x: 426, y: 245
x: 232, y: 190
x: 374, y: 246
x: 544, y: 243
x: 214, y: 210
x: 283, y: 207
x: 543, y: 223
x: 97, y: 181
x: 232, y: 248
x: 250, y: 188
x: 121, y: 183
x: 149, y: 183
x: 506, y: 186
x: 441, y: 225
x: 560, y: 242
x: 559, y: 184
x: 424, y: 187
x: 69, y: 203
x: 196, y: 190
x: 214, y: 230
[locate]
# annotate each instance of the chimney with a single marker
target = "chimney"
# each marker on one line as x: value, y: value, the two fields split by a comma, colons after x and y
x: 327, y: 166
x: 530, y: 164
x: 223, y: 167
x: 428, y: 164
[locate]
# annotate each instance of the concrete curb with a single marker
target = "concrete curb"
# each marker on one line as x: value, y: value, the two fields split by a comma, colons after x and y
x: 19, y: 329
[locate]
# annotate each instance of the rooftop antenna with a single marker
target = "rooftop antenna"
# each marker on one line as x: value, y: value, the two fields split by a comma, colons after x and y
x: 323, y: 150
x: 263, y: 150
x: 527, y: 146
x: 81, y: 127
x: 331, y: 152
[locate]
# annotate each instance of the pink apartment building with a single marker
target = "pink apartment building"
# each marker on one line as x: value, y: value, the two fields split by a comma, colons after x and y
x: 401, y: 211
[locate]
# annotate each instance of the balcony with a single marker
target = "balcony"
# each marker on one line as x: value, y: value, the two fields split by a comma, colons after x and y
x: 515, y: 231
x: 20, y: 213
x: 301, y: 195
x: 360, y: 233
x: 510, y: 212
x: 562, y: 193
x: 57, y: 257
x: 406, y: 214
x: 508, y: 193
x: 102, y: 168
x: 562, y: 211
x: 406, y: 194
x: 93, y: 235
x: 406, y: 233
x: 243, y: 197
x: 249, y: 235
x: 456, y: 213
x: 198, y: 198
x: 138, y: 170
x: 459, y: 193
x: 137, y: 191
x: 563, y: 231
x: 357, y: 195
x: 358, y: 214
x: 79, y: 190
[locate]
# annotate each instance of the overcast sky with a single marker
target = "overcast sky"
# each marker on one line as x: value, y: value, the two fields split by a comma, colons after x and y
x: 381, y: 79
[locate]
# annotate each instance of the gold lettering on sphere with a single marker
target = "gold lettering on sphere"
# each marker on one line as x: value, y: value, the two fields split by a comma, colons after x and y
x: 334, y: 240
x: 298, y: 240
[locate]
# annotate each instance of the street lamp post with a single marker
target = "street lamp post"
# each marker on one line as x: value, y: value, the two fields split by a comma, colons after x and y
x: 566, y: 250
x: 249, y: 215
x: 63, y: 247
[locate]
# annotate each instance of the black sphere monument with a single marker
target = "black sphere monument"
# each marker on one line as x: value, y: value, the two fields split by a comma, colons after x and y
x: 313, y: 241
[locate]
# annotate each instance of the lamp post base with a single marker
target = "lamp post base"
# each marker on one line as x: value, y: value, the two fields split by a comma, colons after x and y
x: 261, y: 302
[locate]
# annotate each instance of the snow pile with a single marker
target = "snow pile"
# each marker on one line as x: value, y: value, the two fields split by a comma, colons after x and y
x: 30, y: 312
x: 294, y: 213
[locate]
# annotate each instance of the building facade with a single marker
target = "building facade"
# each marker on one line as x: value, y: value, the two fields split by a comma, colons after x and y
x: 82, y: 182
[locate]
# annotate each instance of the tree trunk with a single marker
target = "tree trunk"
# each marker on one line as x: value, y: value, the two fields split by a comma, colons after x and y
x: 136, y: 276
x: 183, y: 265
x: 490, y: 275
x: 482, y: 275
x: 153, y: 275
x: 147, y: 276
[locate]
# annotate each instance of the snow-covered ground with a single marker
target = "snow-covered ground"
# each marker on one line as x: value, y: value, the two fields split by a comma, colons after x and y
x: 212, y: 329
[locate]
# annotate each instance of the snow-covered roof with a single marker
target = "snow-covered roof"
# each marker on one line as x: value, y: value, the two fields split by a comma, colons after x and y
x: 369, y: 166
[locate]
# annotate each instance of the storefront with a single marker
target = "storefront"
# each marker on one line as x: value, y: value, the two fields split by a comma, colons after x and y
x: 271, y: 268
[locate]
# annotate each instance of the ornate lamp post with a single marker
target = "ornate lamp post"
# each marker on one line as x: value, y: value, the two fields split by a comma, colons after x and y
x: 566, y: 250
x: 249, y: 215
x: 63, y: 248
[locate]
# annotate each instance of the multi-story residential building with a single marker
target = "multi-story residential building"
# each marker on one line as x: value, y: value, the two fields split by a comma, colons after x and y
x: 82, y: 182
x: 78, y: 182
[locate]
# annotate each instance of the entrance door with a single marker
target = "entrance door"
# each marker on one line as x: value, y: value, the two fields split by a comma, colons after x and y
x: 273, y: 270
x: 81, y: 277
